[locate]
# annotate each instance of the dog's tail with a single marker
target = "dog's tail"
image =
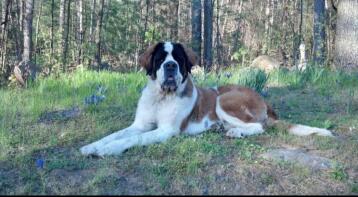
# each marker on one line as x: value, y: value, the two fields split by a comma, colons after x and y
x: 296, y: 129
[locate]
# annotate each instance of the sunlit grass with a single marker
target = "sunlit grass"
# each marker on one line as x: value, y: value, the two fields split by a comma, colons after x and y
x: 318, y: 97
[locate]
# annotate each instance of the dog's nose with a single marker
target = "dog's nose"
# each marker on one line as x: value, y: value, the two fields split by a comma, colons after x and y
x: 171, y: 66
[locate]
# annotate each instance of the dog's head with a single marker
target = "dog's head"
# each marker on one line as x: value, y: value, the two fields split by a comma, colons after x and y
x: 169, y: 64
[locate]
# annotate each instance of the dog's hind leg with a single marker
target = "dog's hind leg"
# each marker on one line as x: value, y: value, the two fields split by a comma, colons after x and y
x: 242, y: 121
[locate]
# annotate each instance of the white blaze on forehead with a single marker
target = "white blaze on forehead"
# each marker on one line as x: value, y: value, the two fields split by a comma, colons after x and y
x: 168, y: 47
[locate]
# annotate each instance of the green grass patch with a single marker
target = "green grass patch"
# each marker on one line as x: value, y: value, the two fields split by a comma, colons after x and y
x: 316, y: 97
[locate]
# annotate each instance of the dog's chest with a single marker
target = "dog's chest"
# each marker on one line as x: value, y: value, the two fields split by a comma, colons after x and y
x: 168, y: 109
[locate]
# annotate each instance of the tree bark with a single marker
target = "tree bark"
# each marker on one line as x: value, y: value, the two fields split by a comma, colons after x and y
x: 284, y: 21
x: 52, y: 29
x: 302, y: 48
x: 21, y: 14
x: 79, y: 30
x: 27, y: 54
x: 37, y: 30
x: 4, y: 15
x: 66, y: 35
x: 218, y: 36
x: 208, y: 34
x: 175, y: 26
x: 319, y: 33
x: 3, y: 30
x: 99, y: 14
x: 92, y: 20
x: 267, y: 25
x: 346, y: 40
x: 236, y: 45
x: 147, y: 2
x: 196, y: 28
x: 61, y: 30
x: 61, y: 19
x: 17, y: 34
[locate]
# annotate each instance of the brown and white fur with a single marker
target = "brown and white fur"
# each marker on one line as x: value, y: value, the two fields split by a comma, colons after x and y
x: 172, y: 104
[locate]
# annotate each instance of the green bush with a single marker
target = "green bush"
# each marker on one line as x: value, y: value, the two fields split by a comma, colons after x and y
x: 253, y: 78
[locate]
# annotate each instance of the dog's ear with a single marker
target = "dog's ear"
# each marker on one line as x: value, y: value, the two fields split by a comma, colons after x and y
x: 192, y: 57
x: 145, y: 58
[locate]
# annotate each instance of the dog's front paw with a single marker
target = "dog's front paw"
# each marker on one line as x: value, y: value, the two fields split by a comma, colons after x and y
x: 107, y: 150
x: 88, y: 149
x: 115, y: 148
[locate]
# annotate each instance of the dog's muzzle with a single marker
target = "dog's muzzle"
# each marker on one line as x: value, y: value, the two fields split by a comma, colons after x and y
x: 170, y: 73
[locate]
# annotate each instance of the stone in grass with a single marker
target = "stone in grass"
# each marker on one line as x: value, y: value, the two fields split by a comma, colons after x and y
x: 60, y: 115
x: 94, y: 99
x: 299, y: 156
x: 97, y: 97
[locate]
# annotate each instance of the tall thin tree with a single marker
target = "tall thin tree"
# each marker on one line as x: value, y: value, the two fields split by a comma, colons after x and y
x: 3, y: 30
x: 218, y: 35
x: 52, y: 30
x: 61, y: 30
x: 99, y: 14
x: 92, y: 20
x: 26, y: 69
x: 196, y: 28
x: 27, y: 54
x: 66, y: 35
x: 37, y: 29
x: 319, y: 33
x: 79, y: 30
x: 208, y: 34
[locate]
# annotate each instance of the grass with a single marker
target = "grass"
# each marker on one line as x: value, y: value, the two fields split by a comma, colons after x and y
x: 209, y: 163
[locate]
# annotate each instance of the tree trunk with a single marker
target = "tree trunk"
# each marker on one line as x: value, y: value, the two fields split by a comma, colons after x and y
x: 208, y: 34
x: 92, y: 20
x: 196, y: 28
x: 302, y: 48
x: 236, y: 35
x: 17, y: 34
x: 37, y: 30
x: 27, y: 54
x: 61, y: 19
x: 52, y: 29
x: 145, y: 24
x: 175, y: 26
x: 3, y: 30
x: 4, y: 15
x: 282, y: 49
x: 267, y: 21
x: 65, y: 39
x: 61, y: 31
x: 319, y: 33
x: 218, y: 36
x: 79, y: 31
x: 98, y: 33
x: 21, y: 14
x: 346, y: 49
x: 26, y: 70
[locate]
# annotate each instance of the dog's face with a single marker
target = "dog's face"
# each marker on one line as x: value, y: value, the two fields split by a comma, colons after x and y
x: 168, y: 64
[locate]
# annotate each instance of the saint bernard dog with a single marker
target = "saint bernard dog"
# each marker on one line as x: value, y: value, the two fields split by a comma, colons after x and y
x: 172, y: 104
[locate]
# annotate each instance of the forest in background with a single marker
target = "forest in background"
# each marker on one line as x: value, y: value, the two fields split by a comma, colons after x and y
x: 43, y: 37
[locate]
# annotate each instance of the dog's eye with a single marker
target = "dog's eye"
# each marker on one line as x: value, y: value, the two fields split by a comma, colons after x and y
x: 161, y: 60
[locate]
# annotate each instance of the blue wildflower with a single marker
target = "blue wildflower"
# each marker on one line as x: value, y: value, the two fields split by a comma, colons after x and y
x: 40, y: 163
